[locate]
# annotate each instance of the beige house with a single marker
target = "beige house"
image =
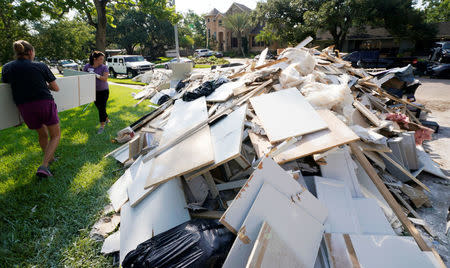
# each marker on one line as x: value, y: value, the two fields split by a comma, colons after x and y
x: 224, y: 39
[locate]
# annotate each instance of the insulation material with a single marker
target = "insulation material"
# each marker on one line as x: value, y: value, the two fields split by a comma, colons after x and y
x: 304, y: 61
x: 155, y: 77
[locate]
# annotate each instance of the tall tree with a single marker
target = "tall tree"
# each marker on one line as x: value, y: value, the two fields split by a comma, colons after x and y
x: 63, y: 39
x: 284, y: 18
x: 196, y: 25
x: 239, y: 23
x: 437, y: 10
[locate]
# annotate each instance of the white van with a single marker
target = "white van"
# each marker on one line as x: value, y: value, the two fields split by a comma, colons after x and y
x: 131, y: 65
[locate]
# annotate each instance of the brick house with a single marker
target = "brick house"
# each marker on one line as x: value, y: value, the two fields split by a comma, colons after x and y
x: 224, y: 39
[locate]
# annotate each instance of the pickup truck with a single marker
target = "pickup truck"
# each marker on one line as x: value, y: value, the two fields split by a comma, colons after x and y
x: 130, y: 65
x: 372, y: 59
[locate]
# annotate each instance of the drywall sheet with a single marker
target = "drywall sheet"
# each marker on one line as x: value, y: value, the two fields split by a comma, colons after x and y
x: 341, y: 166
x: 429, y: 165
x: 371, y: 218
x: 286, y: 113
x: 136, y: 191
x: 226, y: 138
x: 298, y: 229
x: 342, y: 217
x: 9, y: 114
x: 271, y: 251
x: 118, y: 191
x: 191, y: 154
x: 336, y: 134
x: 87, y: 89
x: 74, y: 91
x: 269, y: 172
x: 224, y: 92
x: 389, y: 252
x: 111, y: 243
x: 162, y: 210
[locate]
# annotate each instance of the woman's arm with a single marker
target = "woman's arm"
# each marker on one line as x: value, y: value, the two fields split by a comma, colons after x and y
x: 53, y: 86
x: 103, y: 77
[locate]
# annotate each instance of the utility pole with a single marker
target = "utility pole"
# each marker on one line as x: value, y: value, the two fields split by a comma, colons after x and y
x: 175, y: 28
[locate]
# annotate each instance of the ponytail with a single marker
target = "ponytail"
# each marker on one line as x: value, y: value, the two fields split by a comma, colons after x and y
x: 22, y: 48
x: 94, y: 55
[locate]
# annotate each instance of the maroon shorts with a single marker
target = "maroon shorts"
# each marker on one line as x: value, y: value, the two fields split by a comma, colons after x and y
x: 38, y: 113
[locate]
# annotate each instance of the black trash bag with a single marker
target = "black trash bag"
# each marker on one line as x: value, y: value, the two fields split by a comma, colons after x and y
x: 163, y: 99
x: 205, y: 89
x: 180, y: 86
x: 196, y: 243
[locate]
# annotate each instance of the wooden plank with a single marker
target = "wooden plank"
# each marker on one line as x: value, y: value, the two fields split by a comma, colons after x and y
x: 224, y: 92
x: 231, y: 185
x: 226, y: 138
x: 194, y: 152
x: 337, y: 134
x: 286, y: 113
x: 383, y: 93
x: 388, y: 197
x: 162, y: 210
x: 271, y: 63
x: 270, y: 173
x: 211, y: 184
x: 335, y: 195
x: 339, y: 254
x: 376, y: 159
x: 373, y: 147
x: 367, y: 113
x: 407, y: 173
x: 300, y: 231
x: 413, y: 212
x: 271, y: 251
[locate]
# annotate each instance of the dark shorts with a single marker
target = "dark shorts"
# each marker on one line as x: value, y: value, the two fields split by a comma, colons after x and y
x: 38, y: 113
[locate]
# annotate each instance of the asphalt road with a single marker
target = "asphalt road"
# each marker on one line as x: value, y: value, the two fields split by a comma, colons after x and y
x: 435, y: 95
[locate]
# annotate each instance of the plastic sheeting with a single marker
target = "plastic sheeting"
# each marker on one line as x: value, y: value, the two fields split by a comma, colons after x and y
x: 196, y: 243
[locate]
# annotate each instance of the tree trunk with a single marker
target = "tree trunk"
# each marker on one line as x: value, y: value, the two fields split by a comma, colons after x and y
x: 239, y: 39
x: 100, y: 35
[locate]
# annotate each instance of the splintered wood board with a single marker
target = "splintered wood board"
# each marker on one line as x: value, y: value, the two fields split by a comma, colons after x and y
x: 192, y: 153
x: 270, y: 251
x: 9, y: 114
x: 136, y: 191
x: 226, y: 139
x: 298, y: 229
x: 370, y: 251
x: 269, y: 172
x: 224, y: 92
x: 162, y: 210
x: 286, y: 113
x: 336, y: 134
x: 342, y: 216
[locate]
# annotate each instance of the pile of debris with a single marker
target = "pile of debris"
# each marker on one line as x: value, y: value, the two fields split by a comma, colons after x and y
x: 288, y: 163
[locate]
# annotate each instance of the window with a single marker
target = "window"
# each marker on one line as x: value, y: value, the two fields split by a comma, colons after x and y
x: 220, y: 22
x: 120, y: 60
x: 109, y: 60
x: 115, y: 60
x: 255, y: 43
x: 215, y: 36
x: 208, y: 19
x: 234, y: 42
x: 209, y: 33
x: 134, y: 59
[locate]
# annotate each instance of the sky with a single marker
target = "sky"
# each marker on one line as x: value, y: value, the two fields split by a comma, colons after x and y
x: 204, y: 6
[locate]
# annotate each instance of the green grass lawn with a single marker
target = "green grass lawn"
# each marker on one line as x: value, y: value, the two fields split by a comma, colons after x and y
x: 46, y: 222
x: 125, y: 81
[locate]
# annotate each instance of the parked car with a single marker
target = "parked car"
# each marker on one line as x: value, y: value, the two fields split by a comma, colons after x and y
x: 372, y: 59
x: 130, y: 65
x: 67, y: 64
x: 440, y: 52
x: 167, y: 64
x: 441, y: 70
x: 203, y: 52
